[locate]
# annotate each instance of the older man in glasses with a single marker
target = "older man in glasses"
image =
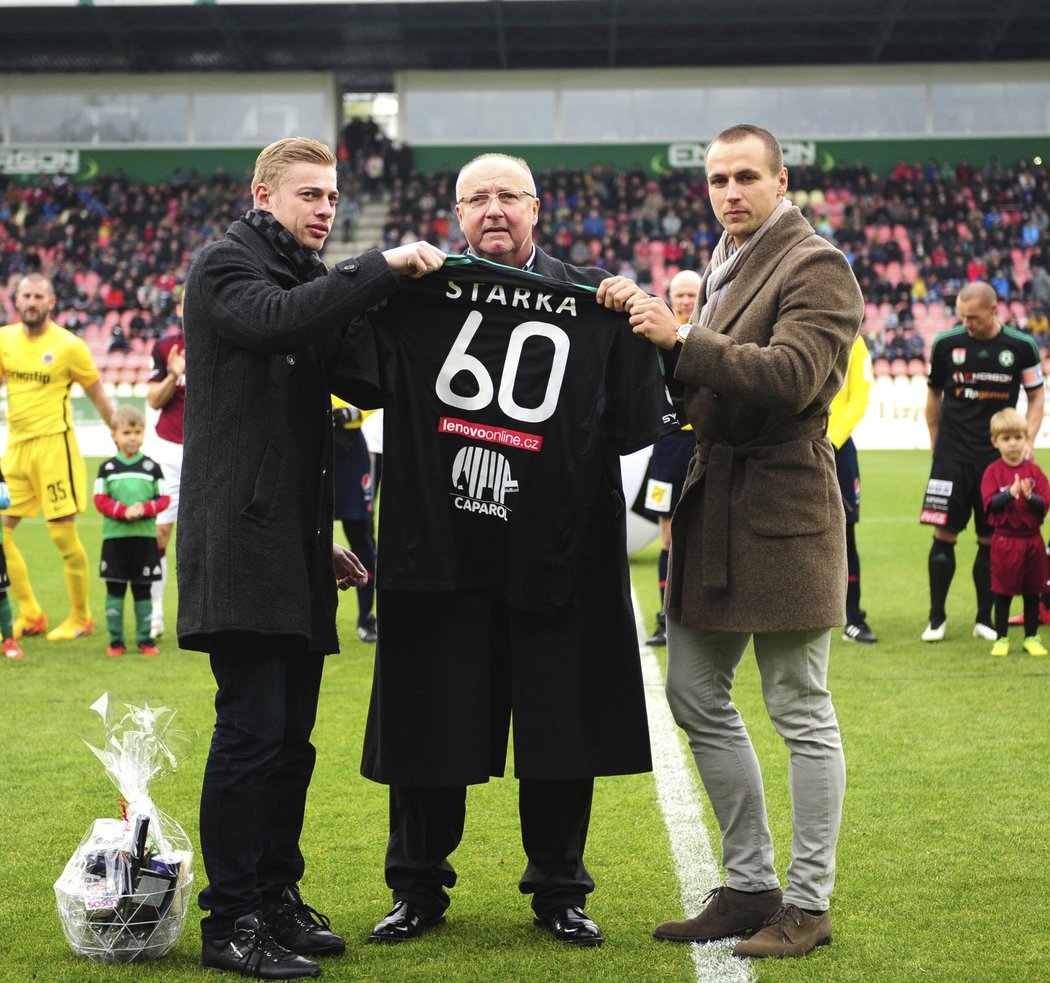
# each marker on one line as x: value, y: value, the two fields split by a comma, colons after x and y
x: 455, y: 663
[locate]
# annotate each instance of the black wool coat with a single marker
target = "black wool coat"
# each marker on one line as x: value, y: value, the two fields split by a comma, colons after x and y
x: 264, y: 334
x: 571, y: 680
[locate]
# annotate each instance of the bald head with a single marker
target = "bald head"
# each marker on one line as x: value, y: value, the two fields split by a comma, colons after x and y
x: 498, y: 229
x: 488, y: 164
x: 977, y: 308
x: 682, y: 292
x: 979, y: 291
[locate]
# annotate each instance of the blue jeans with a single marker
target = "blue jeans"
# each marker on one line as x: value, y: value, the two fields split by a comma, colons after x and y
x: 258, y: 772
x: 701, y: 666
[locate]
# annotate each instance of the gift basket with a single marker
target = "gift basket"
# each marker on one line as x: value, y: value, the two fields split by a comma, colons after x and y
x: 123, y: 894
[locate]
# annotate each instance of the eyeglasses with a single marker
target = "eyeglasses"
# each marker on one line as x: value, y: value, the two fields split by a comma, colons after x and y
x: 508, y: 199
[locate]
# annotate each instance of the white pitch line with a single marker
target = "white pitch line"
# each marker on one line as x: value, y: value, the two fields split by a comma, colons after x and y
x: 678, y: 793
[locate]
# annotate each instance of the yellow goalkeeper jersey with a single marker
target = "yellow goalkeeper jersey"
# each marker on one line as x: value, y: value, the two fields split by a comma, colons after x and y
x: 40, y: 373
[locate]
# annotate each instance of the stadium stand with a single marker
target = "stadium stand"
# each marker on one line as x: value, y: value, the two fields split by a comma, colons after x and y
x: 118, y: 251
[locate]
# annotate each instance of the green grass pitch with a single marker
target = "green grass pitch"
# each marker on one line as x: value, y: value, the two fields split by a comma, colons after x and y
x: 943, y: 856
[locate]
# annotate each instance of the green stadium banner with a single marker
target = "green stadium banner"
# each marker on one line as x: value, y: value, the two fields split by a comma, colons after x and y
x: 157, y: 165
x: 154, y: 166
x: 880, y: 156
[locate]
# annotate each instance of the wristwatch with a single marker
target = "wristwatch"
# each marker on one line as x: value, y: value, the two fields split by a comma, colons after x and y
x: 680, y: 337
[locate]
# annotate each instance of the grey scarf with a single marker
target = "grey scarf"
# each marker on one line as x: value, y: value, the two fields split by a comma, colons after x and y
x: 727, y: 260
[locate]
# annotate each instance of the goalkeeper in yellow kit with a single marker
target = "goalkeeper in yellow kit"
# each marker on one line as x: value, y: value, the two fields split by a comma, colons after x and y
x: 40, y: 361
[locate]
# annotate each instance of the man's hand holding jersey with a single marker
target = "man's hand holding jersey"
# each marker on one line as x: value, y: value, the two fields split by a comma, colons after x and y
x: 650, y: 316
x: 415, y: 259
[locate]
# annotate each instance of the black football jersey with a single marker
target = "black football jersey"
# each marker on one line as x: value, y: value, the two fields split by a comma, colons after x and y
x: 977, y: 379
x: 508, y: 399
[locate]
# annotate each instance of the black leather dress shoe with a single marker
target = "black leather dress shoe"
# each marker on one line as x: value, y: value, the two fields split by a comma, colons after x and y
x: 252, y: 951
x: 298, y: 927
x: 405, y: 922
x: 571, y: 925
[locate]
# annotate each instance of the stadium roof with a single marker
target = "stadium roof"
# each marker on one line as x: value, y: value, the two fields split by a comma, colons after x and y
x: 366, y: 42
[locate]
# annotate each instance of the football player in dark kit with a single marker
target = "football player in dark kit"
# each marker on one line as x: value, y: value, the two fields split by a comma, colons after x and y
x: 976, y: 370
x: 503, y: 586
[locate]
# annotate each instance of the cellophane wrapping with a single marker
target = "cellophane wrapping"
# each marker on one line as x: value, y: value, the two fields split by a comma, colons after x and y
x: 124, y: 892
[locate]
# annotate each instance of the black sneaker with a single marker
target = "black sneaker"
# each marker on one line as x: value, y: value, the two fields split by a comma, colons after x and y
x: 858, y: 631
x: 658, y: 637
x: 252, y: 951
x: 366, y: 632
x: 299, y: 928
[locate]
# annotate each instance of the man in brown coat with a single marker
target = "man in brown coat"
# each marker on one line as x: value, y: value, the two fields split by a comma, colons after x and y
x: 758, y: 539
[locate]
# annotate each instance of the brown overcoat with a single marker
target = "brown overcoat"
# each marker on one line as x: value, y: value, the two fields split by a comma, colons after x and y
x: 758, y: 537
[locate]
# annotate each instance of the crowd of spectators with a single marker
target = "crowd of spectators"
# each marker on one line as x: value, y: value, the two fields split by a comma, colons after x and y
x: 118, y: 250
x: 913, y: 238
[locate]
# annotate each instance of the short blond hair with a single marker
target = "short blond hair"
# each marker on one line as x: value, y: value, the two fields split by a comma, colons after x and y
x: 126, y: 415
x: 978, y: 291
x: 1009, y: 421
x: 273, y: 161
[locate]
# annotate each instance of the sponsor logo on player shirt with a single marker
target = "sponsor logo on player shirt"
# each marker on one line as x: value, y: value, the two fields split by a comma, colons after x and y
x: 482, y: 480
x: 975, y: 377
x: 493, y: 435
x: 41, y: 377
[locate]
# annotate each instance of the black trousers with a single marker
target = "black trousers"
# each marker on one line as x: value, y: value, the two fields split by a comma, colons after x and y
x: 426, y: 825
x: 257, y: 775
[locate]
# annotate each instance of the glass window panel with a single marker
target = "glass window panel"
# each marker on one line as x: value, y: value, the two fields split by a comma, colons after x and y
x: 159, y: 118
x: 235, y: 118
x: 525, y: 115
x: 1027, y: 108
x: 730, y: 105
x: 670, y: 114
x: 46, y: 118
x: 519, y: 116
x: 441, y: 117
x: 99, y: 118
x: 810, y: 112
x: 595, y: 115
x: 968, y: 109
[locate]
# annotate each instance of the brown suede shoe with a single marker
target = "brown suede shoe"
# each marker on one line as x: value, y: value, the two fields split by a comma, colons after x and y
x: 727, y: 913
x: 790, y: 932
